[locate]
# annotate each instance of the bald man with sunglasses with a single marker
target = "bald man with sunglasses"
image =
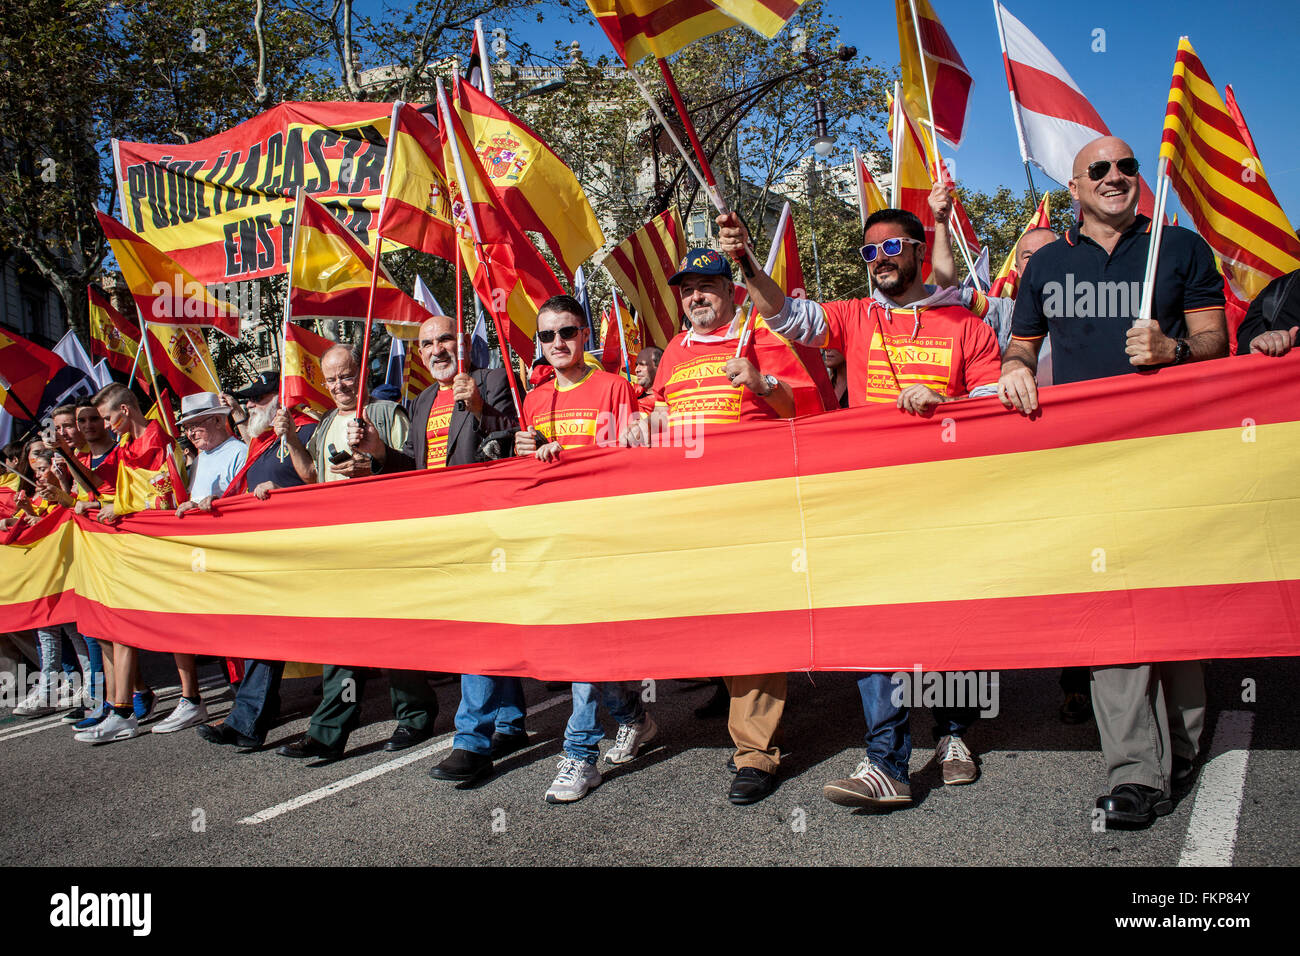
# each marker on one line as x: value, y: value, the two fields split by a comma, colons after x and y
x: 1149, y: 716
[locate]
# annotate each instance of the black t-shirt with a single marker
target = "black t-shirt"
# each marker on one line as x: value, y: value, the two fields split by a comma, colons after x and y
x: 270, y: 467
x: 1088, y: 300
x: 1276, y: 308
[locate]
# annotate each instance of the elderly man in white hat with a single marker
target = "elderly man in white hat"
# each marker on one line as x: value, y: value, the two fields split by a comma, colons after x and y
x: 205, y: 421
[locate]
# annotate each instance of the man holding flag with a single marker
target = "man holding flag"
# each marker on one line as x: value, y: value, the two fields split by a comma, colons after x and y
x: 1149, y: 716
x: 918, y: 348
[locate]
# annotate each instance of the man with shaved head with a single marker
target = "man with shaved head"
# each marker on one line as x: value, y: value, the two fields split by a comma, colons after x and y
x: 1086, y: 290
x: 450, y: 420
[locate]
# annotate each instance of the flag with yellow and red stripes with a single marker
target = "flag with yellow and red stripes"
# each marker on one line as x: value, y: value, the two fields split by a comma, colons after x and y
x: 641, y: 266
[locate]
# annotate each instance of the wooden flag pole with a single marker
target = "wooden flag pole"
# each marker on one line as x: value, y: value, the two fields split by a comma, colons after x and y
x: 1147, y: 308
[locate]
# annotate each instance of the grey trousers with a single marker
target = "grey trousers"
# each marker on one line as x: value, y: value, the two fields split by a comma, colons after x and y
x: 1147, y: 714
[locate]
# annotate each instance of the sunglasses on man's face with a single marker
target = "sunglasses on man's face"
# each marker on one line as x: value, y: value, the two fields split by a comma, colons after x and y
x: 890, y: 247
x: 568, y: 333
x: 1097, y: 171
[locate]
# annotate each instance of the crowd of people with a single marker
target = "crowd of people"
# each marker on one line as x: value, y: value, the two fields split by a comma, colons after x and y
x: 915, y: 345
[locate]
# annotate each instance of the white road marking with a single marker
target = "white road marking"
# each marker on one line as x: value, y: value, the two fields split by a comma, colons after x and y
x: 434, y: 746
x: 1212, y: 830
x: 45, y: 723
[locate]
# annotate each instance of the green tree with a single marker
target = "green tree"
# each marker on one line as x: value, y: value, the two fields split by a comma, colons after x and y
x: 1000, y: 217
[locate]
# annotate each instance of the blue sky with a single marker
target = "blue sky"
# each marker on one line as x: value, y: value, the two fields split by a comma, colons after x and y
x: 1253, y: 46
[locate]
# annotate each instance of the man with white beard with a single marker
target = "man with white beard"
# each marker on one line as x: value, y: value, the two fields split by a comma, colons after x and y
x: 257, y: 702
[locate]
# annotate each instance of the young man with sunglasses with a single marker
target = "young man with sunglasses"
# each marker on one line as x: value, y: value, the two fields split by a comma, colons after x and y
x: 582, y: 407
x: 1150, y: 716
x: 917, y: 347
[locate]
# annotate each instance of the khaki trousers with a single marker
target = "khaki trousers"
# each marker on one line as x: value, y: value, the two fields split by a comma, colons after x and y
x: 757, y: 702
x: 1146, y: 715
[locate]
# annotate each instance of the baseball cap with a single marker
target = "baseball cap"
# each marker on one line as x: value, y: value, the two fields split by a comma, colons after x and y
x: 702, y: 262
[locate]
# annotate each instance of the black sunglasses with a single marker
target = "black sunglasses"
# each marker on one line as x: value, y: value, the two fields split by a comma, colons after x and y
x: 1097, y: 171
x: 568, y: 333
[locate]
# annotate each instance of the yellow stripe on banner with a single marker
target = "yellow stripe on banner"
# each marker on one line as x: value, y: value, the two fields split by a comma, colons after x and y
x: 1047, y: 522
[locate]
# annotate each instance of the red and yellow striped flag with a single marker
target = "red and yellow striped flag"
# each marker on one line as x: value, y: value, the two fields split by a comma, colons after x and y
x: 1220, y: 183
x: 329, y: 276
x: 611, y: 354
x: 181, y: 358
x: 301, y: 380
x: 114, y: 337
x: 870, y: 198
x: 1007, y: 280
x: 641, y: 266
x: 416, y: 377
x: 659, y: 28
x: 163, y: 289
x: 950, y: 81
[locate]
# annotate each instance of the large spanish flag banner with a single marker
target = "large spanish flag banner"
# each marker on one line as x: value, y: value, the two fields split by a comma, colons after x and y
x: 1220, y: 183
x: 641, y: 266
x: 222, y: 206
x: 1137, y: 518
x: 659, y: 28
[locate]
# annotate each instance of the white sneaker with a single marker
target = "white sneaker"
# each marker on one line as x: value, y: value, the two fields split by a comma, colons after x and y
x: 36, y: 703
x: 574, y: 779
x: 111, y: 728
x: 185, y: 715
x: 631, y: 738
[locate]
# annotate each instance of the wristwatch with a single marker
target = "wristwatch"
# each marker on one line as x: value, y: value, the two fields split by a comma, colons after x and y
x: 1182, y: 351
x: 772, y: 385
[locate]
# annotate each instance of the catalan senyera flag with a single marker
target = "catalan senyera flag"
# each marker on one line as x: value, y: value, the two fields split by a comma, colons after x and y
x: 301, y: 380
x: 1216, y: 176
x: 504, y: 266
x: 809, y: 380
x: 1007, y: 281
x: 25, y: 369
x: 330, y: 274
x: 641, y: 266
x: 950, y: 81
x: 1209, y: 568
x: 181, y: 358
x: 163, y: 289
x: 659, y: 28
x: 531, y: 182
x: 870, y: 198
x: 417, y: 200
x: 114, y: 337
x: 416, y: 377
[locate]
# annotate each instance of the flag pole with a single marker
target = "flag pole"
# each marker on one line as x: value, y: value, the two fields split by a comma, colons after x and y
x: 460, y: 323
x: 288, y: 300
x: 210, y: 370
x: 1147, y: 307
x: 896, y: 146
x: 705, y: 168
x: 622, y: 341
x: 136, y: 361
x: 484, y: 64
x: 468, y: 205
x: 862, y: 206
x: 153, y: 373
x: 1011, y: 92
x: 778, y: 238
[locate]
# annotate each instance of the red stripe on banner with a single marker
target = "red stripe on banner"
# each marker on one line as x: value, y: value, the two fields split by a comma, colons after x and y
x: 1206, y: 396
x: 1046, y: 93
x: 661, y: 19
x: 1121, y: 627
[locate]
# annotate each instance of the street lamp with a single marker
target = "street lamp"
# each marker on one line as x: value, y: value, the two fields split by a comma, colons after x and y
x: 822, y: 144
x: 541, y: 89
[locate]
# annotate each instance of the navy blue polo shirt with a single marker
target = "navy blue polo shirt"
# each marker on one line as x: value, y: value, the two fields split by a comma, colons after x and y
x: 270, y: 467
x: 1088, y: 299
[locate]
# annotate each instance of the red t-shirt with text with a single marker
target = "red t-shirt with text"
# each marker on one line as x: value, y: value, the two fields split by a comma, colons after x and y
x: 596, y: 411
x: 435, y: 433
x: 691, y: 382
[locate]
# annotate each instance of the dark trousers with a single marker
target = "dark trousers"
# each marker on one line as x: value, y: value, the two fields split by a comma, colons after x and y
x: 415, y: 705
x: 257, y: 702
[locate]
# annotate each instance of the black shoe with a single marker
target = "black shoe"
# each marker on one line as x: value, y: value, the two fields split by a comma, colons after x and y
x: 751, y: 785
x: 1131, y: 806
x: 1076, y: 709
x: 404, y: 737
x: 463, y: 766
x: 719, y: 705
x: 221, y: 734
x: 309, y: 746
x: 503, y: 745
x: 1183, y: 774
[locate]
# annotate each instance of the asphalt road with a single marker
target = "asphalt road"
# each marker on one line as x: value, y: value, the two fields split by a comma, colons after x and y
x: 176, y: 799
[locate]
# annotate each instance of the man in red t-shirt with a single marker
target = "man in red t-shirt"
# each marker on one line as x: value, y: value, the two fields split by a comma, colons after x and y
x: 582, y: 407
x: 918, y: 347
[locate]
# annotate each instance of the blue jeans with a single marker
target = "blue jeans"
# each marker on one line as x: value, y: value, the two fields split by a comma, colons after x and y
x: 889, y: 738
x: 257, y: 702
x: 583, y: 733
x: 488, y: 704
